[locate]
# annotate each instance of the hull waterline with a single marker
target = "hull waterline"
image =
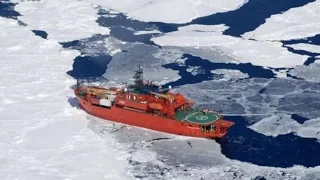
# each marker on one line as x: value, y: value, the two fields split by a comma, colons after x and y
x: 152, y: 121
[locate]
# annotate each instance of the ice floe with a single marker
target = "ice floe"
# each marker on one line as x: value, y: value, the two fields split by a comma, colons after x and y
x: 309, y: 73
x: 230, y: 74
x: 42, y: 133
x: 282, y: 73
x: 269, y: 54
x: 295, y: 23
x: 62, y: 20
x: 194, y: 70
x: 216, y: 29
x: 213, y: 53
x: 283, y: 124
x: 147, y: 32
x: 96, y: 45
x: 169, y: 11
x: 305, y: 47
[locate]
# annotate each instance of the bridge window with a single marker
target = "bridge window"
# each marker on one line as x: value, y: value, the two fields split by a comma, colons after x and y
x: 208, y: 128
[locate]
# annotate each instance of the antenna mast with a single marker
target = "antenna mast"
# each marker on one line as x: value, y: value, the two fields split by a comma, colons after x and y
x: 138, y: 78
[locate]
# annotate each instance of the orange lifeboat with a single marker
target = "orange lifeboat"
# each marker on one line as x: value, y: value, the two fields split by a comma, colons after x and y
x: 155, y: 106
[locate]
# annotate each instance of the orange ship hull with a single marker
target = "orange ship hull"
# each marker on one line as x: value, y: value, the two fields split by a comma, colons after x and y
x: 152, y: 121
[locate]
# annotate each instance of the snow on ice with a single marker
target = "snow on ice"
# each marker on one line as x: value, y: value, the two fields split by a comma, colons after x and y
x: 41, y: 134
x: 169, y: 11
x: 295, y: 23
x: 62, y: 20
x: 268, y: 54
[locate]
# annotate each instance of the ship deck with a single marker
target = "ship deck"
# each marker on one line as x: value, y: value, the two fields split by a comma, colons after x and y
x: 197, y: 117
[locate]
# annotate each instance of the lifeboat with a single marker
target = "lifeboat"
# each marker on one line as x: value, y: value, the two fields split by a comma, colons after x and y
x: 155, y: 106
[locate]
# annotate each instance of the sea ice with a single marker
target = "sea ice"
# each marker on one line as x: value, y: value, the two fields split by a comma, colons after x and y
x: 276, y: 125
x: 191, y: 158
x: 41, y: 135
x: 62, y: 20
x: 147, y: 32
x: 268, y: 54
x: 295, y: 23
x: 309, y: 73
x: 169, y: 11
x: 283, y: 124
x: 257, y: 97
x: 230, y: 74
x: 305, y: 47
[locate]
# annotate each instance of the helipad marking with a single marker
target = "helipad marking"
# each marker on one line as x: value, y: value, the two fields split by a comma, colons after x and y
x: 190, y: 115
x: 202, y: 118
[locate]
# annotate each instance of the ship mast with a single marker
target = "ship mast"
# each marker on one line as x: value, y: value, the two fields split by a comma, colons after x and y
x: 138, y: 78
